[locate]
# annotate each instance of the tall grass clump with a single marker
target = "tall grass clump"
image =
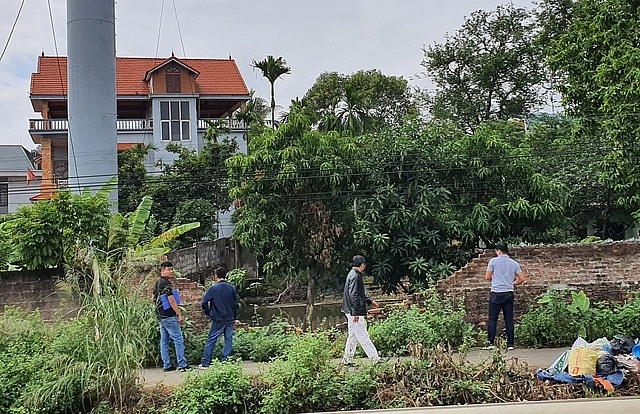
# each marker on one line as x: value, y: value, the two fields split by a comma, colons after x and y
x: 98, y: 355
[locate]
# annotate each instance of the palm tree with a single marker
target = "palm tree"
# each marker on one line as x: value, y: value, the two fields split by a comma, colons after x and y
x: 272, y: 69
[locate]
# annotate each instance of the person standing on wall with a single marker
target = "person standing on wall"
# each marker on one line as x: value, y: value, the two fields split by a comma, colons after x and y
x: 354, y: 306
x: 169, y: 317
x: 504, y: 273
x: 221, y: 304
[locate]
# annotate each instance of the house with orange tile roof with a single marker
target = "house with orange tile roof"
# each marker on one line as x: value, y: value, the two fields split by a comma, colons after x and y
x: 159, y: 101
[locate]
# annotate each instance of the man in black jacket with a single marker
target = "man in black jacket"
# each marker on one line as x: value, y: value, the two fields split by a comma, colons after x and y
x: 354, y: 306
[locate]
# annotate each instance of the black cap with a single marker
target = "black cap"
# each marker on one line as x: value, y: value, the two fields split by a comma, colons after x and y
x: 358, y: 260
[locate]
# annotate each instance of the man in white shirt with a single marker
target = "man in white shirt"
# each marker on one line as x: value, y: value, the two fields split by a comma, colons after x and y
x: 504, y: 273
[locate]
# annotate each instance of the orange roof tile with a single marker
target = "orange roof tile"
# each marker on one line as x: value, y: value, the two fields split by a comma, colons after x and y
x: 216, y: 76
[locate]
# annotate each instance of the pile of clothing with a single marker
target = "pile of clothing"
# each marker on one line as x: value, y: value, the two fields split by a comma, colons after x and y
x: 599, y: 364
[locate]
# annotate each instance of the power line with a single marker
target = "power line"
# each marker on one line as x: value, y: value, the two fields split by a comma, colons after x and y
x: 15, y: 22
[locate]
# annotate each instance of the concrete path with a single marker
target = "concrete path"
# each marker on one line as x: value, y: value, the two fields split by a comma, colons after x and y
x: 535, y: 358
x: 579, y: 406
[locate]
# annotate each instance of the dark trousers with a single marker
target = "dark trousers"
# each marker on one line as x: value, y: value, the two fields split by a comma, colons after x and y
x: 500, y: 301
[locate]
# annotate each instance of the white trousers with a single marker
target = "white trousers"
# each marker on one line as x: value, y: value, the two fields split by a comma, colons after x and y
x: 358, y: 333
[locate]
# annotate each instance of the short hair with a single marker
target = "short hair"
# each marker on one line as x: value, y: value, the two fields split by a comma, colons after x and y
x: 164, y: 265
x: 221, y: 272
x: 502, y: 246
x: 358, y: 261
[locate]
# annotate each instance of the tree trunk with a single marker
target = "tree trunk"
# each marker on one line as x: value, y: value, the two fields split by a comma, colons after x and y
x: 311, y: 297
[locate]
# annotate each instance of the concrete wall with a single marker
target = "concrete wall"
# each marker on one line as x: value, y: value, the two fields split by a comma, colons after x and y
x: 604, y: 271
x: 197, y: 262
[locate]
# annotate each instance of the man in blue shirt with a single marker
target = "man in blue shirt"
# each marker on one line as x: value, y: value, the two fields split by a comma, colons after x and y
x: 504, y: 273
x: 221, y: 304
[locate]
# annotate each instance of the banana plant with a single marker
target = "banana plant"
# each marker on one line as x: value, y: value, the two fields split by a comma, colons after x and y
x: 127, y: 232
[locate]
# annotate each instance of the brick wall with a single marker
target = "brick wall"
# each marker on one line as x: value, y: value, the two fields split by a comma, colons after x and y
x: 605, y: 271
x: 35, y: 289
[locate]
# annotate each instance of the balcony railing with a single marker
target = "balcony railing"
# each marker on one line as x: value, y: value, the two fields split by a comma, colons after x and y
x: 229, y: 123
x: 62, y: 125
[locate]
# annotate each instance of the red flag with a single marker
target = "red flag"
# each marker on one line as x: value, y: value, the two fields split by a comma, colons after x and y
x: 30, y: 175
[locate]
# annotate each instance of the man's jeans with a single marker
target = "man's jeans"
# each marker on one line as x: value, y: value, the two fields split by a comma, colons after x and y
x: 170, y: 329
x: 498, y: 301
x: 217, y: 329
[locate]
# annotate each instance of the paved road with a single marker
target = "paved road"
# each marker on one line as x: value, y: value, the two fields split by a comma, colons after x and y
x: 535, y: 358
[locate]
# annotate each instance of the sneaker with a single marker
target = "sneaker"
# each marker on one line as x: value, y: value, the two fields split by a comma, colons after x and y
x: 202, y: 367
x: 169, y: 369
x: 347, y: 363
x: 489, y: 347
x: 380, y: 361
x: 510, y: 348
x: 185, y: 369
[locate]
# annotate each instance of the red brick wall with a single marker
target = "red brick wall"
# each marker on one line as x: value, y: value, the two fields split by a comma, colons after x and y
x: 605, y: 271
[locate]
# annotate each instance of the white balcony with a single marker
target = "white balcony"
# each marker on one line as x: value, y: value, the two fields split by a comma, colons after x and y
x: 43, y: 126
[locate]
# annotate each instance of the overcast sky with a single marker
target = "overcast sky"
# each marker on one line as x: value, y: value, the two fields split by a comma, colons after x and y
x: 313, y: 36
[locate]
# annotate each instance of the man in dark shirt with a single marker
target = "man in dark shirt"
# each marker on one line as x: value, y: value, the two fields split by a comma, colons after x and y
x: 354, y: 306
x: 170, y: 318
x: 221, y: 304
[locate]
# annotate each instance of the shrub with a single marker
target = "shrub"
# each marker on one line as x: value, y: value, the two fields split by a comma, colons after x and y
x: 559, y: 321
x: 304, y: 379
x: 436, y: 322
x: 223, y: 388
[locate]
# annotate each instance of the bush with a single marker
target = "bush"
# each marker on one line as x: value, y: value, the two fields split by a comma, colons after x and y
x: 304, y: 379
x: 223, y: 388
x: 559, y: 321
x: 436, y: 322
x: 262, y: 344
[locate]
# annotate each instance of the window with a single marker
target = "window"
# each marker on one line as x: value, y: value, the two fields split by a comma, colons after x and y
x: 173, y: 80
x: 4, y: 198
x: 174, y: 119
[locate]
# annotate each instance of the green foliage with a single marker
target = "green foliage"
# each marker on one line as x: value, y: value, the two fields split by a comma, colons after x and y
x: 223, y: 388
x: 490, y: 69
x: 132, y: 175
x: 363, y: 102
x: 262, y: 344
x: 49, y: 233
x: 238, y: 278
x: 272, y: 69
x: 595, y: 57
x: 294, y: 188
x: 433, y: 322
x: 304, y: 379
x: 193, y: 183
x: 560, y: 321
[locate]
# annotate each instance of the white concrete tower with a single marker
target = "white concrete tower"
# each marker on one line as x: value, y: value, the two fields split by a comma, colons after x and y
x: 91, y: 65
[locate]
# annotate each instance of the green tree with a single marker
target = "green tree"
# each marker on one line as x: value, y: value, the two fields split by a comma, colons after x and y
x: 359, y: 103
x: 491, y: 69
x: 272, y: 69
x: 253, y: 114
x: 50, y: 232
x: 405, y: 222
x: 500, y: 191
x: 132, y: 174
x: 194, y: 178
x: 295, y: 187
x: 597, y: 58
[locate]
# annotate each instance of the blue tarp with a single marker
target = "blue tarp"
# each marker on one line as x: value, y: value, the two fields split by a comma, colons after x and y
x: 563, y: 377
